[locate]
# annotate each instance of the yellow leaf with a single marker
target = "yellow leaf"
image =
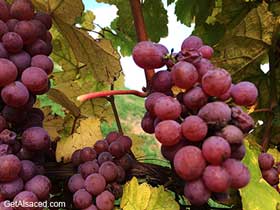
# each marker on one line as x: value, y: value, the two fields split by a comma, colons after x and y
x: 145, y: 197
x: 86, y: 135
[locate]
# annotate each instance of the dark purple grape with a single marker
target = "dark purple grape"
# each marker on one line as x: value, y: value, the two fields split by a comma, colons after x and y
x: 5, y: 149
x: 75, y: 183
x: 112, y: 136
x: 26, y: 30
x: 194, y: 128
x: 4, y: 8
x: 3, y: 28
x: 103, y: 157
x: 47, y: 37
x: 151, y: 101
x: 167, y: 108
x: 87, y: 154
x: 12, y: 42
x: 266, y: 161
x: 238, y: 172
x: 242, y: 120
x: 43, y: 62
x: 15, y: 94
x: 105, y: 201
x: 28, y: 170
x: 76, y: 158
x: 215, y: 149
x: 14, y: 115
x: 35, y: 79
x: 168, y: 132
x: 10, y: 168
x: 109, y: 171
x: 271, y: 176
x: 10, y: 189
x: 238, y: 152
x: 3, y: 123
x: 195, y: 98
x: 232, y: 134
x: 46, y: 19
x: 8, y: 72
x: 82, y: 199
x: 244, y: 93
x: 191, y: 43
x: 148, y: 55
x: 22, y: 60
x: 121, y: 174
x: 39, y: 47
x: 117, y: 149
x: 35, y: 139
x: 126, y: 142
x: 189, y: 163
x: 216, y: 178
x: 11, y: 23
x: 25, y: 197
x: 22, y: 10
x: 169, y: 152
x: 101, y: 146
x: 196, y: 192
x: 184, y: 75
x: 3, y: 51
x: 88, y: 168
x: 125, y: 162
x: 161, y: 81
x: 40, y: 28
x: 206, y: 51
x: 95, y: 184
x: 40, y: 185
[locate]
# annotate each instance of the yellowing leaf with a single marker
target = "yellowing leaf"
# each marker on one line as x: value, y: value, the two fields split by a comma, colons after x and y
x: 86, y: 135
x: 144, y: 197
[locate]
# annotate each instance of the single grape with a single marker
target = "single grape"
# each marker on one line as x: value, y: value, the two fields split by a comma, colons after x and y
x: 244, y: 93
x: 196, y: 192
x: 101, y: 146
x: 35, y: 79
x: 232, y: 134
x: 22, y: 60
x: 28, y: 170
x: 10, y: 167
x: 169, y: 152
x: 226, y: 96
x: 82, y: 199
x: 167, y: 108
x: 10, y: 189
x: 238, y: 153
x: 215, y: 113
x: 11, y: 23
x: 75, y: 183
x: 95, y: 184
x: 117, y: 149
x: 35, y: 139
x: 195, y: 98
x: 12, y: 42
x: 44, y: 90
x: 46, y: 19
x: 22, y: 10
x: 206, y: 51
x: 194, y: 128
x: 168, y: 132
x: 189, y: 163
x: 203, y: 66
x: 103, y: 157
x: 40, y: 28
x: 4, y: 8
x: 126, y: 142
x: 26, y: 30
x: 13, y: 115
x: 3, y: 28
x: 161, y: 81
x: 125, y: 162
x: 148, y: 55
x: 147, y: 123
x: 38, y: 47
x: 76, y: 158
x: 216, y: 82
x: 151, y: 101
x: 266, y: 161
x: 242, y: 120
x: 105, y: 201
x: 8, y: 72
x: 238, y: 172
x: 5, y: 149
x: 191, y: 43
x: 15, y: 94
x: 88, y: 168
x: 271, y: 176
x: 184, y: 75
x: 25, y: 197
x: 47, y: 37
x: 3, y: 51
x: 216, y: 178
x: 87, y: 154
x: 109, y: 171
x: 43, y: 62
x: 112, y: 136
x: 40, y: 186
x: 121, y: 175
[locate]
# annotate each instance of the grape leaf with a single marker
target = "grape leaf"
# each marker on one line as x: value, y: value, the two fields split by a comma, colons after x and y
x: 86, y: 20
x: 144, y: 197
x: 270, y: 198
x: 86, y: 134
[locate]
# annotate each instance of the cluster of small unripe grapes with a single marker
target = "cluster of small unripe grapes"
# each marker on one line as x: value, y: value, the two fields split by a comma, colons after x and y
x: 101, y: 171
x: 270, y: 170
x: 201, y: 129
x: 25, y: 44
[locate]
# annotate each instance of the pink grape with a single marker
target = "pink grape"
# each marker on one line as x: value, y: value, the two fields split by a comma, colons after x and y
x: 167, y: 108
x: 168, y: 132
x: 195, y: 98
x: 194, y: 128
x: 244, y: 93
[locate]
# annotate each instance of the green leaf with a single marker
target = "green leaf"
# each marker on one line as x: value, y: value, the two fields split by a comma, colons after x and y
x: 86, y: 20
x: 269, y: 197
x: 144, y: 197
x: 56, y: 109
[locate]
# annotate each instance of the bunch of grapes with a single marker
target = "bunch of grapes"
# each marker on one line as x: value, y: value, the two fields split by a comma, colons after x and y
x: 201, y: 129
x: 270, y: 169
x: 25, y: 44
x: 101, y: 171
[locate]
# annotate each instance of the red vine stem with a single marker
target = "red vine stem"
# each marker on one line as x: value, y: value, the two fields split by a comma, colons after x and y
x: 140, y: 31
x: 107, y: 93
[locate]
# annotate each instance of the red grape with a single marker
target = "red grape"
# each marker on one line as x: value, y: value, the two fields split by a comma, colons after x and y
x: 40, y: 186
x: 3, y: 28
x: 26, y: 30
x: 8, y: 72
x: 82, y: 199
x: 117, y: 149
x: 161, y: 81
x: 109, y: 171
x: 35, y: 139
x: 195, y: 98
x: 22, y: 60
x: 10, y: 189
x: 10, y: 167
x: 266, y: 161
x: 11, y: 23
x: 151, y: 101
x: 39, y: 47
x: 168, y: 132
x: 232, y: 134
x: 225, y: 96
x: 40, y: 28
x: 5, y: 149
x: 147, y: 123
x: 76, y: 158
x: 167, y: 108
x: 87, y: 154
x: 244, y: 93
x: 95, y: 184
x: 206, y: 51
x: 238, y: 153
x: 112, y: 136
x: 4, y: 8
x: 46, y: 19
x: 271, y: 176
x: 75, y: 183
x: 194, y: 128
x: 22, y: 10
x: 28, y: 170
x: 103, y: 157
x: 126, y: 142
x: 88, y: 168
x: 191, y: 43
x: 105, y: 201
x: 242, y: 120
x: 12, y: 42
x: 43, y: 62
x: 25, y: 197
x: 121, y: 174
x: 101, y: 146
x: 203, y: 66
x: 3, y: 51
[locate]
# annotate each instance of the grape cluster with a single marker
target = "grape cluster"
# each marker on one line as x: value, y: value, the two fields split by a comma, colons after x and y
x: 25, y: 44
x: 101, y: 171
x: 201, y: 128
x: 270, y: 170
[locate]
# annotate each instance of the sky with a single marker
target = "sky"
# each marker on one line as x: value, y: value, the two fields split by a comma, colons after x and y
x: 134, y: 76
